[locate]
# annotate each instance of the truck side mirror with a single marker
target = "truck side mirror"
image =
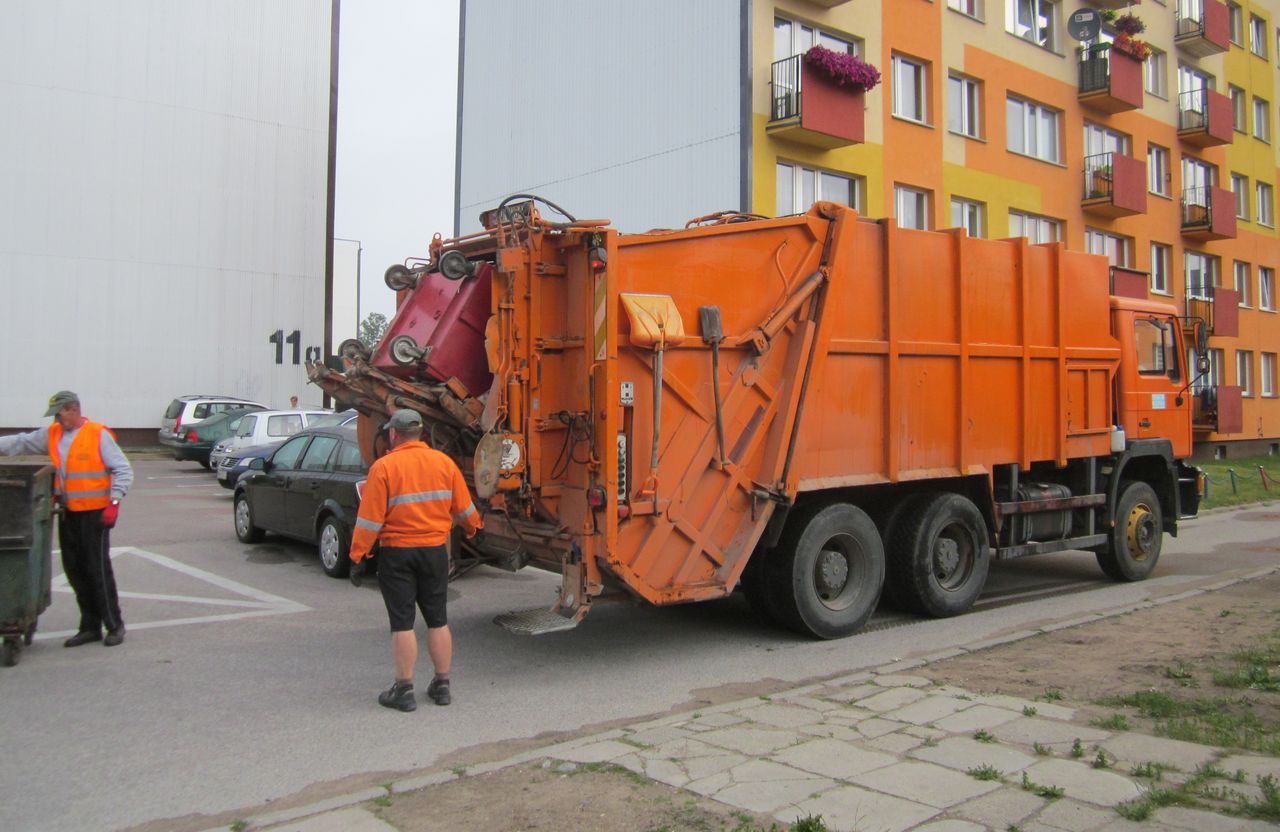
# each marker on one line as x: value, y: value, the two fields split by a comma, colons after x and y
x: 1202, y: 363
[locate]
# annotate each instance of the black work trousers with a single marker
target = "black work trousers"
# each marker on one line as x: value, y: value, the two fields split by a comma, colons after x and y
x: 86, y: 560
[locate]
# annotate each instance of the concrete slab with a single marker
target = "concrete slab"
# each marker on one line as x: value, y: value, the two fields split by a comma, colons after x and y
x: 895, y: 743
x: 1073, y: 816
x: 833, y: 758
x: 1010, y: 806
x: 851, y: 679
x: 656, y: 736
x: 297, y: 813
x: 781, y: 716
x: 750, y: 740
x: 925, y: 783
x: 721, y: 720
x: 898, y: 680
x: 976, y: 718
x: 681, y: 749
x: 597, y: 752
x: 1030, y: 729
x: 700, y: 768
x: 924, y: 733
x: 928, y: 710
x: 891, y: 699
x: 838, y: 732
x: 1251, y: 764
x: 900, y: 666
x: 709, y: 785
x: 872, y: 728
x: 764, y: 786
x: 1008, y: 638
x: 812, y: 703
x: 962, y: 753
x: 951, y: 826
x: 412, y: 784
x: 354, y: 819
x: 851, y: 808
x: 852, y: 693
x: 1197, y: 820
x: 1045, y: 709
x: 1140, y: 748
x: 1083, y: 782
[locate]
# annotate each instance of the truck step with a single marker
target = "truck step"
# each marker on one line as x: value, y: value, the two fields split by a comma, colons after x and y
x: 535, y: 622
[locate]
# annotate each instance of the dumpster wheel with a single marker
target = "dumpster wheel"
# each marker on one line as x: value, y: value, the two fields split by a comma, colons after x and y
x: 9, y: 652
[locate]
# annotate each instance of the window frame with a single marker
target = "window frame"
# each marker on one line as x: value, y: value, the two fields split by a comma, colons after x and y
x: 1032, y: 111
x: 1239, y: 108
x: 920, y: 88
x: 1161, y: 254
x: 1162, y: 174
x: 1258, y: 45
x: 1039, y: 223
x: 969, y: 209
x: 797, y: 196
x: 975, y: 14
x: 1267, y: 297
x: 1242, y: 279
x: 1265, y: 207
x: 923, y: 206
x: 1209, y: 274
x: 1052, y: 27
x: 1262, y: 119
x: 1267, y: 375
x: 966, y: 84
x: 1244, y: 380
x: 1117, y: 248
x: 1155, y: 74
x: 1235, y: 23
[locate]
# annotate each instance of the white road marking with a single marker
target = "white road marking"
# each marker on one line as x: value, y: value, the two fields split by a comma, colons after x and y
x: 262, y: 603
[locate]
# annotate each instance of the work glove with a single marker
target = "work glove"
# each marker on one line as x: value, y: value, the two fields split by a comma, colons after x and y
x: 357, y: 571
x: 110, y: 514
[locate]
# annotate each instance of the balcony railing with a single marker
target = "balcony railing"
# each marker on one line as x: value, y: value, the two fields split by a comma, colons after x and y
x: 807, y: 107
x: 1114, y: 185
x: 1197, y: 207
x: 1200, y: 27
x: 1217, y: 306
x: 1193, y: 110
x: 1108, y: 79
x: 1099, y: 178
x: 1209, y: 213
x: 786, y: 88
x: 1095, y: 69
x: 1204, y: 118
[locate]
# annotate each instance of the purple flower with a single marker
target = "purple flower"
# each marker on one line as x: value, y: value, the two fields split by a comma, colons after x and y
x: 844, y: 69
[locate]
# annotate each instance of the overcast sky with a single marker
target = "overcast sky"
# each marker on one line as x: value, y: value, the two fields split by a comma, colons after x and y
x: 397, y: 125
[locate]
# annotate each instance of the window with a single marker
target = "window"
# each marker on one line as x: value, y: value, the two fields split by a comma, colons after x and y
x: 1238, y: 117
x: 1156, y: 347
x: 912, y: 206
x: 1266, y: 288
x: 286, y: 459
x: 318, y: 453
x: 973, y: 8
x: 1265, y: 202
x: 1193, y: 102
x: 1235, y: 23
x: 1155, y: 74
x: 1201, y: 272
x: 1158, y: 169
x: 1033, y: 130
x: 1099, y: 139
x: 348, y: 460
x: 1244, y: 372
x: 800, y: 187
x: 967, y: 214
x: 1160, y: 268
x: 910, y: 90
x: 791, y: 38
x: 286, y: 424
x: 1261, y: 119
x: 1034, y: 20
x: 1267, y: 374
x: 1117, y: 249
x: 1240, y: 187
x: 964, y: 106
x: 1242, y: 273
x: 1258, y: 35
x: 247, y: 425
x: 1035, y: 228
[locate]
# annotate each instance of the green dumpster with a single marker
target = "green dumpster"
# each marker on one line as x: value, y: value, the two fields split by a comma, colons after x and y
x: 26, y: 545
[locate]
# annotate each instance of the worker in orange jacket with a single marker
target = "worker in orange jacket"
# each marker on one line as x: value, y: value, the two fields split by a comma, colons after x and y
x: 412, y: 499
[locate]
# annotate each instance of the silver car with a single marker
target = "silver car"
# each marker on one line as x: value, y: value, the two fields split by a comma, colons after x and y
x: 263, y: 428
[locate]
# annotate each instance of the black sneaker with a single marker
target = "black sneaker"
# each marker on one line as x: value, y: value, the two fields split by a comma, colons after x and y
x: 438, y: 691
x: 114, y: 637
x: 398, y: 696
x: 83, y: 637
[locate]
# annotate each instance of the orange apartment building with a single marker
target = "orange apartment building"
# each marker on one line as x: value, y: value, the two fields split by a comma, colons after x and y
x: 992, y: 117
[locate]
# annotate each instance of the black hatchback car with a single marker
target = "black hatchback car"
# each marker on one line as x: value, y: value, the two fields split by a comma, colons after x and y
x: 306, y: 490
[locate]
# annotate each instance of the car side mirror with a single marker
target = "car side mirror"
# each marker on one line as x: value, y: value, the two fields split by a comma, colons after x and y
x: 257, y: 464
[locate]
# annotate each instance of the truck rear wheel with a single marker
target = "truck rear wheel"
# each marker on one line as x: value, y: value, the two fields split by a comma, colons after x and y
x: 939, y: 555
x: 1136, y: 537
x: 825, y: 575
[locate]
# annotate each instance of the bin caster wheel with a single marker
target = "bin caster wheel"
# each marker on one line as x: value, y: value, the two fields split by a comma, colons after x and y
x: 9, y: 653
x: 30, y: 635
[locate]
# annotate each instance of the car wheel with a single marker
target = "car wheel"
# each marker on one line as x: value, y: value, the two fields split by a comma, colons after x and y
x: 333, y: 548
x: 205, y: 464
x: 245, y: 530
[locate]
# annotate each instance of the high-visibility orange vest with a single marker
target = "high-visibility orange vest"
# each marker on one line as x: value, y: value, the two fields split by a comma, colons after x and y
x: 87, y: 485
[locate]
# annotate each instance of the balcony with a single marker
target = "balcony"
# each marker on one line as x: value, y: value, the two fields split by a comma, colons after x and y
x: 1200, y: 27
x: 1114, y: 185
x: 1217, y: 409
x: 1204, y: 118
x: 1110, y: 80
x: 1208, y: 214
x: 1108, y: 4
x: 1129, y: 283
x: 1217, y: 306
x: 809, y: 108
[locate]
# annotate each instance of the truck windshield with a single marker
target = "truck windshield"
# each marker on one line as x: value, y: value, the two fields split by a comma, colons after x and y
x: 1156, y: 348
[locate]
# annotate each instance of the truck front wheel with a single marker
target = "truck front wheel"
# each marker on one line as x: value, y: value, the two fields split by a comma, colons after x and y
x: 1136, y: 537
x: 825, y: 575
x: 939, y: 555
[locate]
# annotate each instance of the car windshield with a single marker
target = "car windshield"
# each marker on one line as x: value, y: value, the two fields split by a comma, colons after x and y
x: 246, y: 426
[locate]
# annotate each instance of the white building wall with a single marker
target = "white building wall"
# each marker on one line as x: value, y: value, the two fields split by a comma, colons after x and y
x: 163, y: 175
x: 346, y: 291
x: 627, y: 111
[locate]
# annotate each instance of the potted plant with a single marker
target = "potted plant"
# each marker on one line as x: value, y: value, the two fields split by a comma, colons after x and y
x: 843, y: 69
x: 1129, y: 24
x: 1132, y: 46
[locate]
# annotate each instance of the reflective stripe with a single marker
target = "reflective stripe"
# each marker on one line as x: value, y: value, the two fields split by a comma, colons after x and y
x: 467, y: 512
x: 368, y: 524
x: 420, y: 497
x: 85, y: 475
x: 82, y: 495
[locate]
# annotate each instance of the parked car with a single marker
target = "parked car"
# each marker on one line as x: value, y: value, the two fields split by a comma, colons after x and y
x: 339, y: 419
x: 264, y: 428
x: 234, y: 465
x: 305, y: 490
x: 186, y: 411
x: 197, y: 441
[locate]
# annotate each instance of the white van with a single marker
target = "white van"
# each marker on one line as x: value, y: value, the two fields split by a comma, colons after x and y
x: 266, y: 427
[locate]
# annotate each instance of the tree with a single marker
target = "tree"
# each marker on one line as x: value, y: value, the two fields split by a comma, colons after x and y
x: 372, y: 329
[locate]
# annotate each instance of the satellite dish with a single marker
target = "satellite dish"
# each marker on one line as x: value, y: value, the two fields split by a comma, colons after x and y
x: 1084, y: 24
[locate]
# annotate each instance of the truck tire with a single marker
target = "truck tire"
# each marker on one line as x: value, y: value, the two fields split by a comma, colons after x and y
x: 889, y: 520
x: 825, y: 575
x: 939, y: 555
x: 1136, y: 537
x: 754, y: 586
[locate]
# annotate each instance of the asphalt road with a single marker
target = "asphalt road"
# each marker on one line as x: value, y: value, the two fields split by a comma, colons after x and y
x: 248, y: 675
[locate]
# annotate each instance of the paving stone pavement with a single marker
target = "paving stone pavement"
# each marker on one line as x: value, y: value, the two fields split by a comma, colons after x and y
x: 882, y: 753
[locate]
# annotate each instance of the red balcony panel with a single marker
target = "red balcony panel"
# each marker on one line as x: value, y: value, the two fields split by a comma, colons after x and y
x: 1226, y: 312
x: 1230, y: 409
x: 1209, y: 214
x: 1208, y: 34
x: 1129, y: 283
x: 1116, y: 186
x: 1207, y: 122
x: 822, y: 114
x: 1117, y: 82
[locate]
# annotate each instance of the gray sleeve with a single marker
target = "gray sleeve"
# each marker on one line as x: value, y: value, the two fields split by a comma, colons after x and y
x: 34, y: 443
x: 117, y: 464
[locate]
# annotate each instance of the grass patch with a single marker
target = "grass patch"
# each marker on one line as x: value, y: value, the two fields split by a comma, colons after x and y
x: 1041, y: 790
x: 1254, y: 670
x: 1115, y: 722
x: 1029, y: 710
x: 1152, y: 770
x: 1041, y: 750
x: 1052, y: 695
x: 239, y: 826
x: 983, y: 735
x: 1136, y: 810
x: 1199, y: 791
x: 1248, y: 484
x: 1180, y: 675
x: 1100, y: 760
x: 1077, y: 748
x: 986, y: 772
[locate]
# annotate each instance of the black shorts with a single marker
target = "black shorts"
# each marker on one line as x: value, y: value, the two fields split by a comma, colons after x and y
x: 414, y: 574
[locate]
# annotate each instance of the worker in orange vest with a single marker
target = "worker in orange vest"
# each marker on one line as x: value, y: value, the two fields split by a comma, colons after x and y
x: 91, y: 477
x: 413, y: 497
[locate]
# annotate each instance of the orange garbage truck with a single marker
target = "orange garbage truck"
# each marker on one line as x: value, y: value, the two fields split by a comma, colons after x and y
x: 820, y: 409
